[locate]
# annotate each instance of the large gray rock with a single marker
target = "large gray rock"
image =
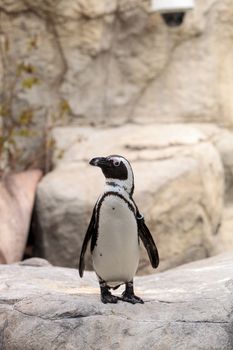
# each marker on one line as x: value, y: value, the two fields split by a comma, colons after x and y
x: 143, y: 70
x: 189, y: 307
x: 179, y: 188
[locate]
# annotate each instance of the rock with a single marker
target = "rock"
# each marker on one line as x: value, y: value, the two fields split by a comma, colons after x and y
x: 159, y: 73
x: 179, y: 188
x: 34, y: 262
x: 17, y: 193
x: 223, y: 141
x: 190, y: 305
x: 224, y: 240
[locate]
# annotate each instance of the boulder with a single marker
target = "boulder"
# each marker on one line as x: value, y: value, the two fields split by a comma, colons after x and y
x: 224, y: 143
x: 34, y: 262
x: 178, y: 187
x: 189, y: 307
x: 223, y: 140
x: 225, y: 237
x: 17, y: 194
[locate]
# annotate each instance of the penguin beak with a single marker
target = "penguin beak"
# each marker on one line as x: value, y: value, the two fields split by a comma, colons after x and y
x: 99, y: 161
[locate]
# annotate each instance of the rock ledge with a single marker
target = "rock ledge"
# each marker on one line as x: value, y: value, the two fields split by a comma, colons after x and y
x: 189, y: 307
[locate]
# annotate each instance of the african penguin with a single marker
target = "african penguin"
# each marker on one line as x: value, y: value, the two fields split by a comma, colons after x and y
x: 115, y: 228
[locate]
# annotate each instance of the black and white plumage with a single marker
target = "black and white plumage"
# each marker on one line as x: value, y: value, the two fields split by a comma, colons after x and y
x: 114, y: 230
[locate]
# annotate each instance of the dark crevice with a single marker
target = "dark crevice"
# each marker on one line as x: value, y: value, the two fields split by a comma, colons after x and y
x: 202, y: 321
x: 9, y: 302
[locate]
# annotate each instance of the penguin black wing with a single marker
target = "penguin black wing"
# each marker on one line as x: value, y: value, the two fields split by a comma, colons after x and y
x: 91, y: 232
x: 147, y: 240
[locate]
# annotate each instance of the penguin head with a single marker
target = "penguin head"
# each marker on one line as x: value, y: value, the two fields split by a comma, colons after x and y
x: 117, y: 170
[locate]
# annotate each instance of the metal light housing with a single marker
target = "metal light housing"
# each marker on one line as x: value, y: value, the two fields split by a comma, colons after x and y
x: 172, y: 11
x: 168, y: 6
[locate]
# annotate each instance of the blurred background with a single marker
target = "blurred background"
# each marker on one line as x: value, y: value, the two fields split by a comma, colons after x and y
x: 149, y: 80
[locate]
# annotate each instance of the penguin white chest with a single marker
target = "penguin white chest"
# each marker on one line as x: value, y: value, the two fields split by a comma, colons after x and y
x: 116, y: 254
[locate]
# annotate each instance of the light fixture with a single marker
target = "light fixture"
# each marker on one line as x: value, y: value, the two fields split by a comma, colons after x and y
x: 172, y: 11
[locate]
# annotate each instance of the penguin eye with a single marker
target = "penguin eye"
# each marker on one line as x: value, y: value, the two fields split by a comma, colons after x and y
x: 116, y: 163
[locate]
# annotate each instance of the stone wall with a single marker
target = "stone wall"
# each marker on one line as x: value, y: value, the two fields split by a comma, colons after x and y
x: 113, y: 61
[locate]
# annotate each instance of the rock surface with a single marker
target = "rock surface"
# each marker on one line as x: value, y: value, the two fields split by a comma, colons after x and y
x: 189, y: 307
x: 222, y: 139
x: 224, y: 143
x: 34, y: 262
x: 17, y: 195
x: 54, y: 49
x: 225, y: 243
x: 179, y: 188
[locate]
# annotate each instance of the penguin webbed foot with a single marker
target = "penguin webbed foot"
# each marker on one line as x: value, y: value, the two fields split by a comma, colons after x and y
x: 106, y: 296
x: 109, y: 298
x: 131, y: 298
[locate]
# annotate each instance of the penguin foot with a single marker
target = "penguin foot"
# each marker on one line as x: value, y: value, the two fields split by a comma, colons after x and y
x: 131, y: 298
x: 106, y: 296
x: 109, y: 298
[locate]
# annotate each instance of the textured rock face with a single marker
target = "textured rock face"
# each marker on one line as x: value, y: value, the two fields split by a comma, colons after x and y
x: 188, y: 305
x: 17, y: 194
x: 178, y: 187
x: 224, y: 144
x: 143, y: 70
x: 222, y: 139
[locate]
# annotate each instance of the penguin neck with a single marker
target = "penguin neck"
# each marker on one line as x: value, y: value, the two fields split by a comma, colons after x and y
x: 119, y: 186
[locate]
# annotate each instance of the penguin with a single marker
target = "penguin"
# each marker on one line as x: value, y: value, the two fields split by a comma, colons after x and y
x: 115, y: 230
